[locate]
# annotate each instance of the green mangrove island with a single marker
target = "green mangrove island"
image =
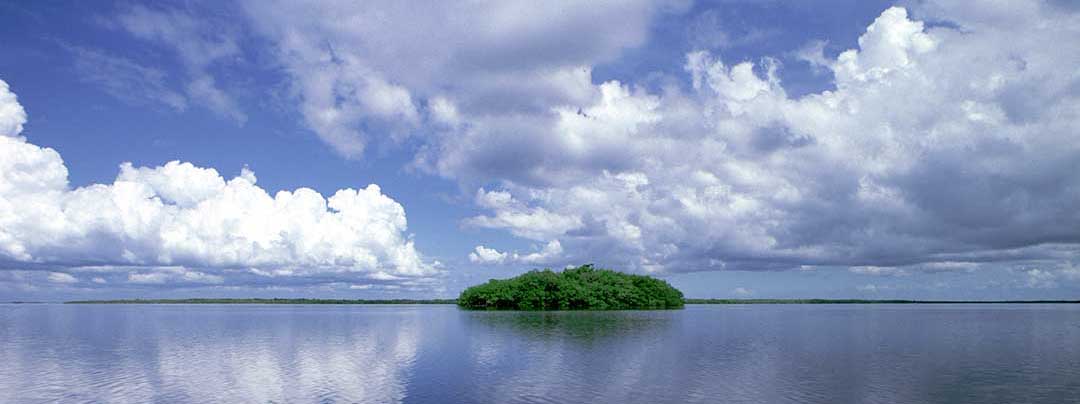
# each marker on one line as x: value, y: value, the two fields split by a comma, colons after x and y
x: 581, y: 288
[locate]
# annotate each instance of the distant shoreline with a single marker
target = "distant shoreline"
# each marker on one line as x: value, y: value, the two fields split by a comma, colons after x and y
x: 454, y: 301
x: 266, y: 301
x: 870, y: 301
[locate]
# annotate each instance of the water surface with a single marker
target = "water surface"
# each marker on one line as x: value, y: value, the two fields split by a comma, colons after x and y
x: 439, y: 354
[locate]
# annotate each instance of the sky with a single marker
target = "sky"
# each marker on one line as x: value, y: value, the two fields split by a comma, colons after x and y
x: 408, y: 149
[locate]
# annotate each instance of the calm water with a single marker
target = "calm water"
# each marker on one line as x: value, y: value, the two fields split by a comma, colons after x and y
x: 438, y: 354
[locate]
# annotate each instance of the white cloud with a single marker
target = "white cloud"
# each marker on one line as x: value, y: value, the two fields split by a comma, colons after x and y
x: 892, y: 43
x: 363, y: 70
x: 181, y: 223
x: 949, y: 266
x: 1070, y: 271
x: 1040, y: 278
x: 550, y: 253
x: 60, y: 277
x: 878, y: 271
x: 173, y: 275
x: 905, y: 270
x: 198, y: 43
x: 742, y: 292
x: 814, y: 54
x: 126, y: 79
x: 869, y: 288
x: 12, y: 115
x: 523, y: 221
x: 484, y: 255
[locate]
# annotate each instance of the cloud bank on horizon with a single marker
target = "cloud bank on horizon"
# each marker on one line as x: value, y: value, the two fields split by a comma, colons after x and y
x: 949, y: 139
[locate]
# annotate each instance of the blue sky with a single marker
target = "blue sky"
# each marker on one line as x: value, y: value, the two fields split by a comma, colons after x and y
x: 735, y: 148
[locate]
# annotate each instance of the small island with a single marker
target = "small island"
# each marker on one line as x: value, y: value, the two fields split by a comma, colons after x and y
x: 580, y: 288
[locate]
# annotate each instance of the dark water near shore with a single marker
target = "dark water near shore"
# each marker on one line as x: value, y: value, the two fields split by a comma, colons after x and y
x: 438, y: 354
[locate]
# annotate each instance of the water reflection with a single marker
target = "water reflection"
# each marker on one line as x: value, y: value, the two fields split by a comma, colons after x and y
x: 584, y: 326
x: 780, y: 354
x: 438, y: 354
x: 168, y: 354
x: 565, y: 356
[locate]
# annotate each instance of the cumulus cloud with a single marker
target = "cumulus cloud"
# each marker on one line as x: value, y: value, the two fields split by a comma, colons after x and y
x: 551, y: 252
x: 939, y: 148
x: 12, y: 115
x: 182, y: 223
x: 484, y: 255
x: 523, y: 221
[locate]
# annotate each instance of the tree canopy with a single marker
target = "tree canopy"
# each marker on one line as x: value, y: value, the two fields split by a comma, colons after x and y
x: 581, y: 288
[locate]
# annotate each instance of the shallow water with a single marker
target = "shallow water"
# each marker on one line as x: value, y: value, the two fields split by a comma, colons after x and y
x: 439, y: 354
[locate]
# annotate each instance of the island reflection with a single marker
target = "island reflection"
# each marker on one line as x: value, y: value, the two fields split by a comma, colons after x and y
x: 578, y: 325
